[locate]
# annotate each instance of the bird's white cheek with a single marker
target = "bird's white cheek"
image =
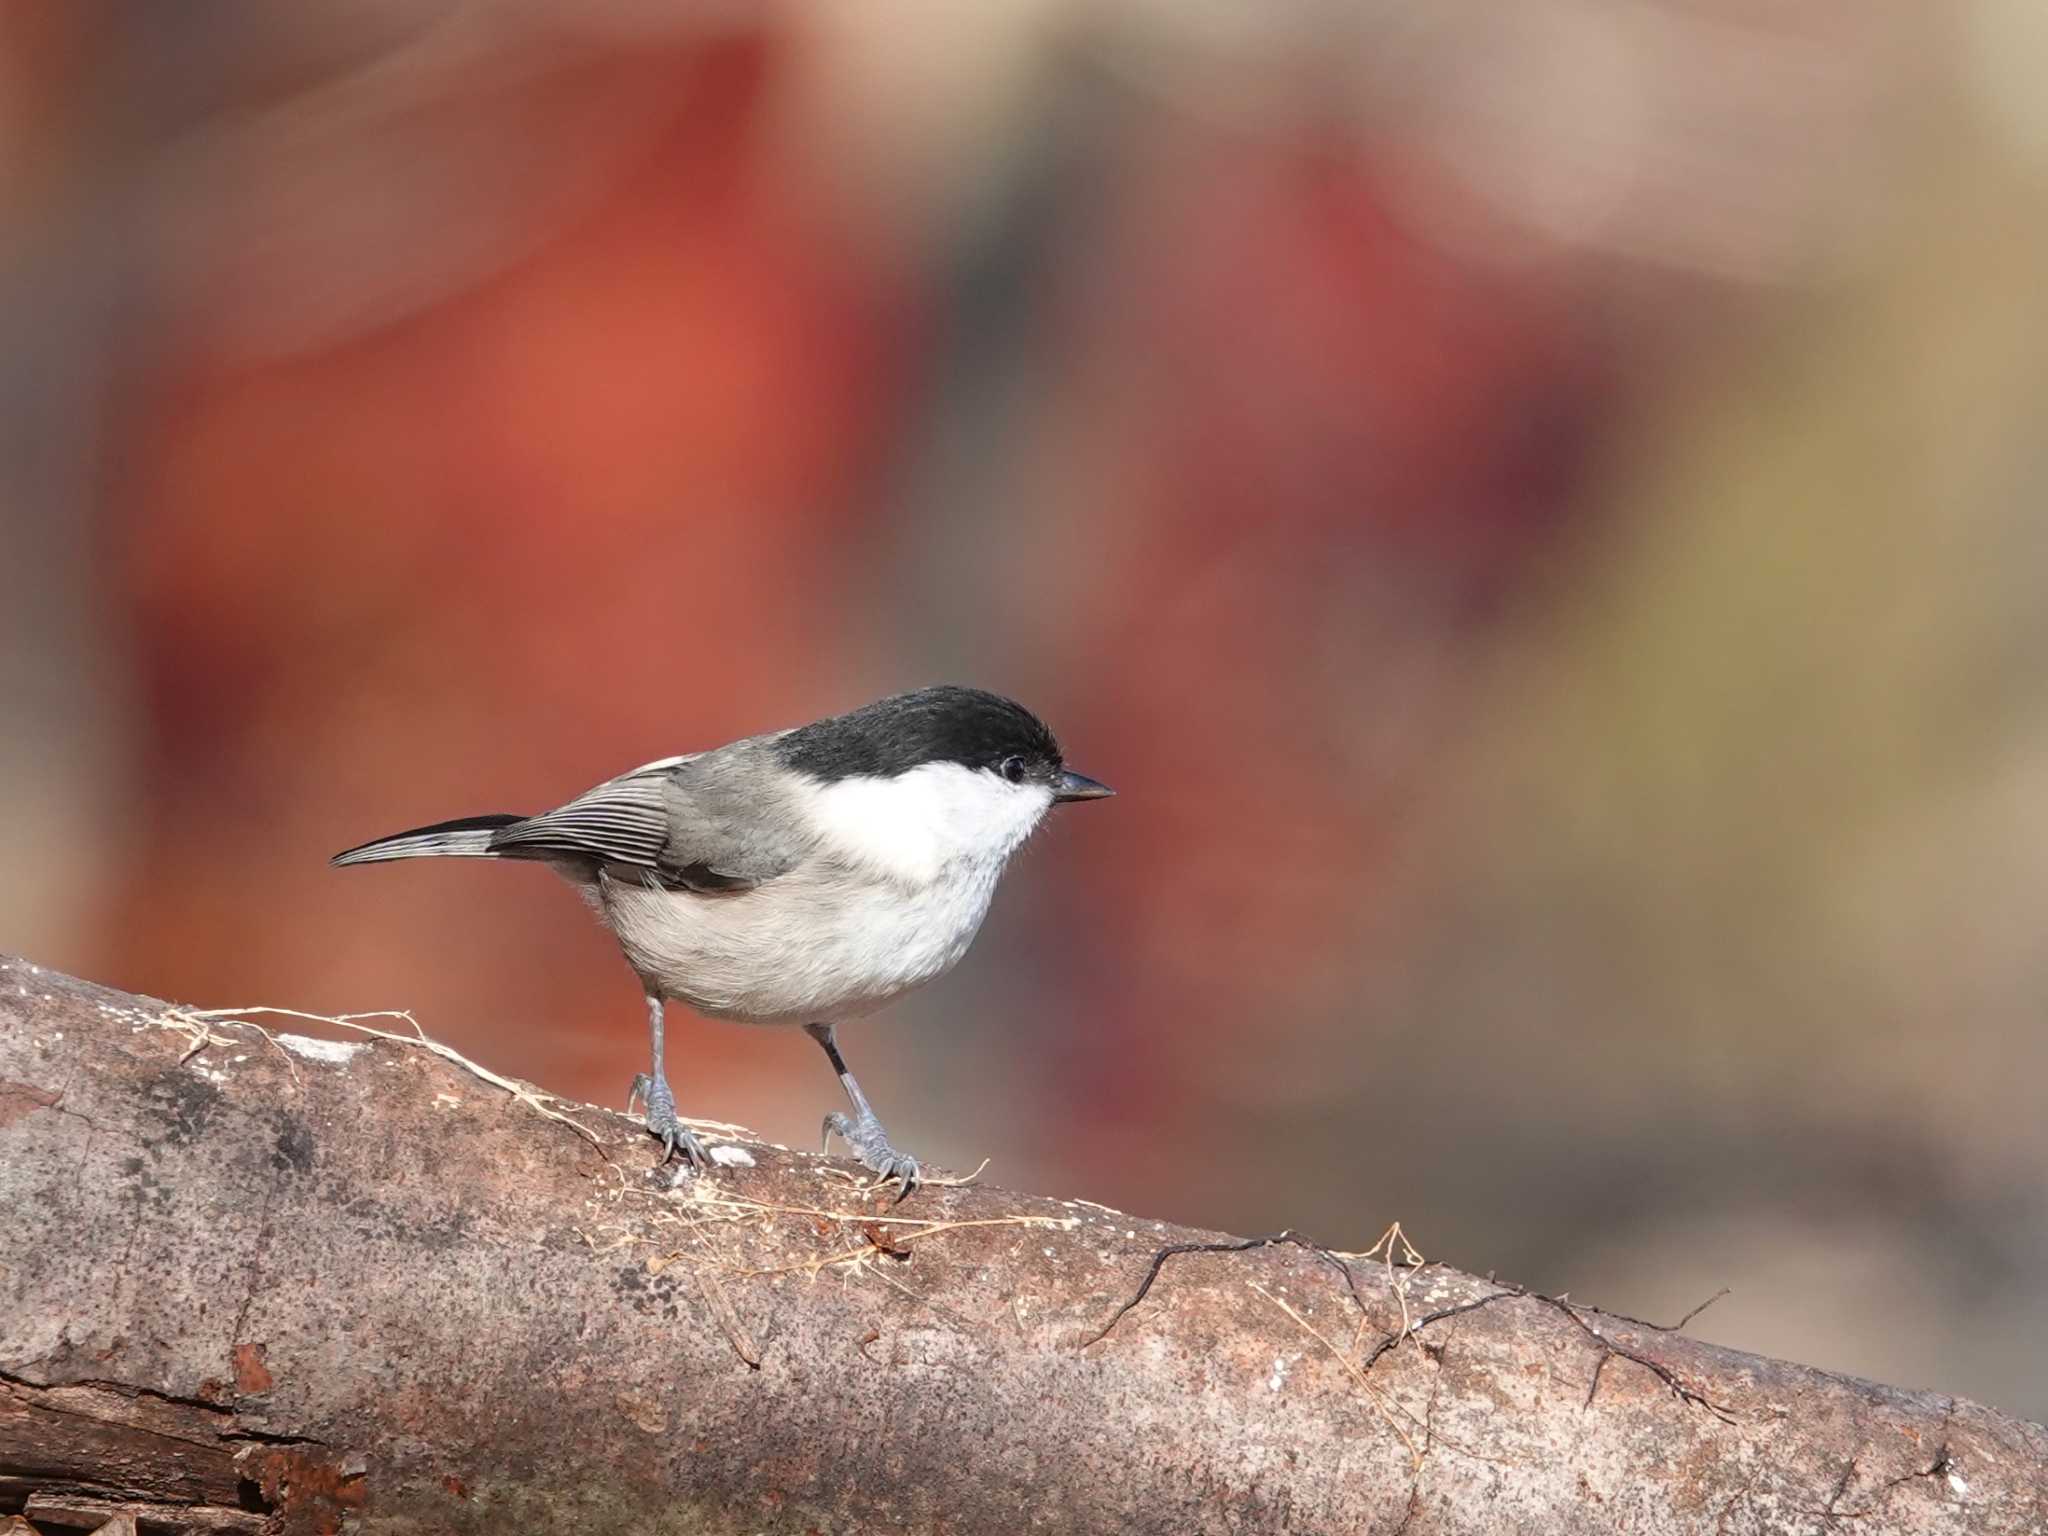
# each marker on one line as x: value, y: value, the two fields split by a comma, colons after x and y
x: 914, y: 825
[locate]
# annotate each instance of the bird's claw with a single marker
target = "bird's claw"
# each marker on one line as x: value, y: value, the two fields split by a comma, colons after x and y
x: 867, y: 1139
x: 663, y: 1122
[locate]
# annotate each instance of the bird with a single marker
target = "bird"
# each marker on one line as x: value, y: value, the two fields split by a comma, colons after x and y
x: 805, y: 876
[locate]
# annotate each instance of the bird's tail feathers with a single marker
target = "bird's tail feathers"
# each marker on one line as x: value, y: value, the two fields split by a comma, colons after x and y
x: 466, y: 837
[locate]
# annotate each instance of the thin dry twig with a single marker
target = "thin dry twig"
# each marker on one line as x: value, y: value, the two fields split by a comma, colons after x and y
x: 1577, y: 1313
x: 1372, y: 1395
x: 750, y: 1207
x: 418, y: 1037
x: 1643, y: 1322
x: 1240, y: 1245
x: 859, y: 1256
x: 1679, y: 1326
x: 865, y: 1185
x: 199, y: 1036
x: 1657, y: 1368
x: 1411, y: 1261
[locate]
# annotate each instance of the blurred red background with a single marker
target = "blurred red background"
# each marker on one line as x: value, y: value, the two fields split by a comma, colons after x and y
x: 1537, y: 512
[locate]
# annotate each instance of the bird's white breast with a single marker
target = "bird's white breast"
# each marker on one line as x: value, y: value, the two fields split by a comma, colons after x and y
x: 901, y: 875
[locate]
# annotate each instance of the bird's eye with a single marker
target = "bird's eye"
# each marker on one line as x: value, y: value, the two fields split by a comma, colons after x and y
x: 1013, y: 769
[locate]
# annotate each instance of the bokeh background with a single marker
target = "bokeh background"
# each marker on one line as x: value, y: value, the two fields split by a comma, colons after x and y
x: 1539, y: 509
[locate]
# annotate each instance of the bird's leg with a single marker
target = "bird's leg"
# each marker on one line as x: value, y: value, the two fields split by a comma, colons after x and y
x: 863, y: 1132
x: 652, y: 1090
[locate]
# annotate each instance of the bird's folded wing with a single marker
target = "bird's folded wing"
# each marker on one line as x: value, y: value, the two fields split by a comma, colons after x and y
x: 693, y: 823
x: 622, y: 821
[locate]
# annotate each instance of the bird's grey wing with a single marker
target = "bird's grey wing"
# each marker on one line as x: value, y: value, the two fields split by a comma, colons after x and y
x: 731, y: 825
x: 621, y: 821
x: 684, y: 821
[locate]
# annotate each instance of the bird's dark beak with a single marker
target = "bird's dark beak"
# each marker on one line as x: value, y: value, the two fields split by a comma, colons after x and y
x: 1078, y: 786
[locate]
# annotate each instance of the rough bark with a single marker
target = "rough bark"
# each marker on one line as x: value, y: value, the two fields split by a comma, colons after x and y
x: 256, y: 1284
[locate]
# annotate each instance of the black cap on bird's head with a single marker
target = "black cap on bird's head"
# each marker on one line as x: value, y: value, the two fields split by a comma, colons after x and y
x: 944, y: 724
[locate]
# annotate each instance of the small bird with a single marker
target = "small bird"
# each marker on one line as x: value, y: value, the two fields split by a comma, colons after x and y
x: 806, y: 876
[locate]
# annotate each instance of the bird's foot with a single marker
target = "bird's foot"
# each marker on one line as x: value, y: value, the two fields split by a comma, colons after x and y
x: 663, y: 1122
x: 866, y: 1137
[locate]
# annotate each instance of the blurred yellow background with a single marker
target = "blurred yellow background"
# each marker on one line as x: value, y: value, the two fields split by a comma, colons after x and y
x: 1539, y: 510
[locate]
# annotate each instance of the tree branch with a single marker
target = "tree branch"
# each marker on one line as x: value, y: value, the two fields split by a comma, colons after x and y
x: 263, y: 1284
